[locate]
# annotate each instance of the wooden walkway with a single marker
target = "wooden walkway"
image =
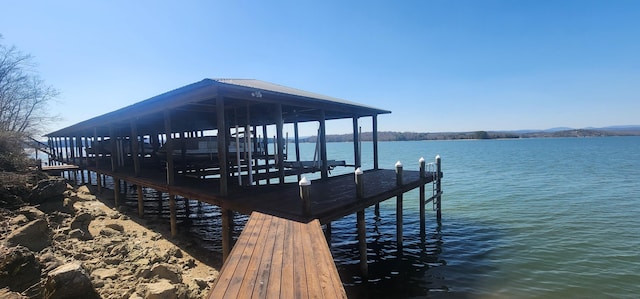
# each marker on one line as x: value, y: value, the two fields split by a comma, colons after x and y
x: 279, y: 258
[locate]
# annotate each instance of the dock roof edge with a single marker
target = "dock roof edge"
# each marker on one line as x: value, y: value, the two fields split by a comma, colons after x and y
x: 199, y: 91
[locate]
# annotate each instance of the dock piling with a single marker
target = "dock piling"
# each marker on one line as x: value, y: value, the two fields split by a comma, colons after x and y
x: 172, y: 215
x: 305, y: 195
x: 362, y: 243
x: 422, y: 198
x: 399, y: 206
x: 359, y: 183
x: 439, y: 188
x: 116, y: 192
x: 140, y: 201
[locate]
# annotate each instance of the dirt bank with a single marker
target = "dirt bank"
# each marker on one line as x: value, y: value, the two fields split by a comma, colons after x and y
x: 76, y: 245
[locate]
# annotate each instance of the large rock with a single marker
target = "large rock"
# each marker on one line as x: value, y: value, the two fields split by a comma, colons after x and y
x: 162, y: 289
x: 83, y: 190
x: 167, y: 271
x: 31, y: 212
x: 103, y: 274
x: 69, y: 281
x: 48, y: 189
x: 8, y: 294
x: 35, y: 235
x: 19, y: 268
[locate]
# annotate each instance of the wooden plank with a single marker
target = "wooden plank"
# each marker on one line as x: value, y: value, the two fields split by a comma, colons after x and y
x: 266, y: 263
x: 313, y: 275
x: 301, y: 289
x: 275, y: 275
x: 245, y: 242
x: 287, y: 283
x: 328, y: 276
x: 236, y: 281
x: 260, y: 256
x: 279, y: 258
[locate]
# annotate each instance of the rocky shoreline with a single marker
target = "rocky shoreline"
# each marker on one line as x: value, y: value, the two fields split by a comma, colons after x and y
x: 68, y: 244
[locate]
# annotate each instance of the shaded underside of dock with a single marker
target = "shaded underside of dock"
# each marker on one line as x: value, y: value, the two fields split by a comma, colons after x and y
x: 331, y: 198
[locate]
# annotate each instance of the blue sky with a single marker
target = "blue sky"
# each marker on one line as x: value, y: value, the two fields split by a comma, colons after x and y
x: 438, y: 65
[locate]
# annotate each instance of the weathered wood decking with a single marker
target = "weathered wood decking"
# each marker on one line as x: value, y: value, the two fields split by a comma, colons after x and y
x: 279, y: 258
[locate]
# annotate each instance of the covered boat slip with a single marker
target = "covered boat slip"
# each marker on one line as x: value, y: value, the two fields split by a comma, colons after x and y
x: 216, y: 108
x: 209, y: 141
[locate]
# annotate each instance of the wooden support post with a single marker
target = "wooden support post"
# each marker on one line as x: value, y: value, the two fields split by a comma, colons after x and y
x: 114, y: 149
x: 86, y: 152
x: 280, y: 142
x: 75, y: 176
x: 116, y: 191
x: 160, y: 204
x: 227, y: 226
x: 140, y: 201
x: 169, y: 146
x: 265, y: 144
x: 248, y: 139
x: 187, y: 208
x: 72, y: 149
x: 172, y: 215
x: 94, y: 144
x: 359, y: 183
x: 99, y: 182
x: 356, y: 152
x: 439, y: 189
x: 362, y: 243
x: 399, y: 207
x: 222, y: 144
x: 296, y: 137
x: 170, y: 172
x: 375, y: 142
x: 327, y: 233
x: 422, y: 199
x: 305, y: 195
x: 324, y: 172
x: 135, y: 148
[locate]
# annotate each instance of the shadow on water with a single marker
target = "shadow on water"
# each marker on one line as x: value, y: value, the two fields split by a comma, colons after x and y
x: 451, y: 261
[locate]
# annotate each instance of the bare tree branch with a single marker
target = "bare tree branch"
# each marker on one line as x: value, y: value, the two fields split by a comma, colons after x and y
x: 24, y: 96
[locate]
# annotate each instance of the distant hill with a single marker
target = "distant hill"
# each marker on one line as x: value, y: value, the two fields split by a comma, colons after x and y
x: 549, y: 133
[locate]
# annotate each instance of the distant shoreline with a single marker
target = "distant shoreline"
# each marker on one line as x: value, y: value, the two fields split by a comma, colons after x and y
x: 479, y: 135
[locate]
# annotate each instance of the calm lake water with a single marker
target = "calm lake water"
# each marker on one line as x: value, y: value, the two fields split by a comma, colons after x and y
x: 525, y: 218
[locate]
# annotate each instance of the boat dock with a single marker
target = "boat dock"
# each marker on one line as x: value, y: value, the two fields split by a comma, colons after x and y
x: 209, y: 141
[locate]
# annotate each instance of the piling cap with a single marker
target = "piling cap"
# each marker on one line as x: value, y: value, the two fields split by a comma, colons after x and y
x: 359, y: 171
x: 398, y: 164
x: 421, y: 160
x: 304, y: 181
x: 438, y: 157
